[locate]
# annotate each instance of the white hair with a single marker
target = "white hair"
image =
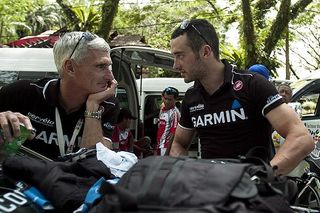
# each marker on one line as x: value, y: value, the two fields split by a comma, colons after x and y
x: 75, y: 45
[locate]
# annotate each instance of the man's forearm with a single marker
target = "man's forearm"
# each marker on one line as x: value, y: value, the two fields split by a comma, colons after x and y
x: 290, y: 155
x: 177, y: 150
x: 92, y: 134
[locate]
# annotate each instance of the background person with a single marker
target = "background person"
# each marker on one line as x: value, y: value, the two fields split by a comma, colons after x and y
x: 77, y: 110
x: 286, y: 92
x: 122, y: 138
x: 262, y: 70
x: 231, y: 110
x: 169, y: 117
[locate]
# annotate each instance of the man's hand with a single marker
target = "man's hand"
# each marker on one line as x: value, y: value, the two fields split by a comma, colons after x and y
x: 10, y: 124
x: 95, y: 99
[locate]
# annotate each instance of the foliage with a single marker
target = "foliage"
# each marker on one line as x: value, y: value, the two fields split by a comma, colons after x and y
x: 308, y: 36
x: 261, y: 33
x: 88, y: 17
x: 45, y: 17
x: 13, y: 18
x: 94, y: 15
x: 235, y: 56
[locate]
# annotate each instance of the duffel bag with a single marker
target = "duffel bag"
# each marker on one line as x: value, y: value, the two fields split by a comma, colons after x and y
x: 176, y: 184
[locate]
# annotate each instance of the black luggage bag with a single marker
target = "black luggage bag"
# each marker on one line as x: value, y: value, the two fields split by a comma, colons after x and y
x: 177, y: 184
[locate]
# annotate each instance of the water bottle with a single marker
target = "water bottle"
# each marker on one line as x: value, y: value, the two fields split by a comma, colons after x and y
x: 11, y: 148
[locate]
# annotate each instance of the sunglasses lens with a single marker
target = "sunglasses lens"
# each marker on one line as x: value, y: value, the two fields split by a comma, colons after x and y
x: 184, y: 24
x: 88, y: 36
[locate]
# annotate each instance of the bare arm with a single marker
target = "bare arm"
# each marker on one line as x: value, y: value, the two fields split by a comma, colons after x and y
x: 298, y: 142
x: 181, y: 142
x: 171, y: 137
x: 92, y: 132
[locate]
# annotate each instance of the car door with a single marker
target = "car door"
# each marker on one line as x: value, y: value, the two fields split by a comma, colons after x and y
x: 309, y: 99
x: 129, y: 63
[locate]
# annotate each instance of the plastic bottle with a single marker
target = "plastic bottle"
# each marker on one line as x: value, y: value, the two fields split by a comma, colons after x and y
x: 11, y: 148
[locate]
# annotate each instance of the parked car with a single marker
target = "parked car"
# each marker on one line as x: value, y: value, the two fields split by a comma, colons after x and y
x: 306, y: 93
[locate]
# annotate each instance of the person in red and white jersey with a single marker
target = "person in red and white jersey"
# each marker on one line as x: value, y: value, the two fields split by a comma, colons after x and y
x: 169, y: 118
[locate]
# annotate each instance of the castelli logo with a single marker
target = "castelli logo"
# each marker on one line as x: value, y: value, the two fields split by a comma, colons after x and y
x: 238, y: 85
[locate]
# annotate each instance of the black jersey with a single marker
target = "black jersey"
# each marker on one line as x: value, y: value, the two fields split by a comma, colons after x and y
x: 38, y: 101
x: 232, y: 120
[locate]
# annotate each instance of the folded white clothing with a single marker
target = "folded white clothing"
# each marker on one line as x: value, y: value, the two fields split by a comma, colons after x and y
x: 118, y: 162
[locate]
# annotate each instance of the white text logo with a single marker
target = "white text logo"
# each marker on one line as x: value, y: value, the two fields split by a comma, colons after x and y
x: 218, y: 118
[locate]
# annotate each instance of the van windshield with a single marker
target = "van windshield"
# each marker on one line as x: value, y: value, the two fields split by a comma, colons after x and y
x: 296, y: 86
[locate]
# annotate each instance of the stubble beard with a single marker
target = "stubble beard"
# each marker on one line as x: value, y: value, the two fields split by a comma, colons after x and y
x: 194, y: 71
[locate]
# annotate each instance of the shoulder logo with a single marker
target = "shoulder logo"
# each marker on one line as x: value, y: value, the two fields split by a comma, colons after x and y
x: 271, y: 99
x: 238, y: 85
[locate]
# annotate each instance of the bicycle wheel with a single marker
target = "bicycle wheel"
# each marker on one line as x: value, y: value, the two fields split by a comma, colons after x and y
x: 309, y: 198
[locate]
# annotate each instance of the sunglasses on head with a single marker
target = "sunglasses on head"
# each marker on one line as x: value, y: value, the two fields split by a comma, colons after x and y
x: 170, y: 91
x: 186, y: 23
x: 87, y: 36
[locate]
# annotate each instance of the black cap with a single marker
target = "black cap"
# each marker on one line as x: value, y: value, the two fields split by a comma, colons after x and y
x: 125, y: 113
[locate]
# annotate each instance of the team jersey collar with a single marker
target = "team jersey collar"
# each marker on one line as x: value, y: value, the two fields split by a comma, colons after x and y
x: 228, y: 68
x: 51, y: 92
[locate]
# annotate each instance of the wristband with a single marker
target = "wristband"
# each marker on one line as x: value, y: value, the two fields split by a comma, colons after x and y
x: 96, y: 115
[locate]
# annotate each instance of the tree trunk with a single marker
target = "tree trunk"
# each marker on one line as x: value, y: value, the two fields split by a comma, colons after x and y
x: 281, y: 22
x: 109, y: 11
x: 287, y: 55
x: 249, y: 35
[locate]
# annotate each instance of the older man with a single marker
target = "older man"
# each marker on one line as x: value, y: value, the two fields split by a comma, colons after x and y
x: 77, y: 110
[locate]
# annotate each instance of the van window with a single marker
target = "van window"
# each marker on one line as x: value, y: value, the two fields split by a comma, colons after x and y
x: 123, y: 98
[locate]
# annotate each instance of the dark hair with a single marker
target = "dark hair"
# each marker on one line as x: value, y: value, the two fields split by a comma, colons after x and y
x: 284, y: 85
x: 171, y: 91
x: 199, y: 32
x: 125, y: 113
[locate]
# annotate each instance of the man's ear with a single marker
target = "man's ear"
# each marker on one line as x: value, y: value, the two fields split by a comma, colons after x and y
x: 68, y: 66
x: 207, y: 50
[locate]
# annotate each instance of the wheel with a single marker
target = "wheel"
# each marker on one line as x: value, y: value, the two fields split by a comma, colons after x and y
x: 308, y: 197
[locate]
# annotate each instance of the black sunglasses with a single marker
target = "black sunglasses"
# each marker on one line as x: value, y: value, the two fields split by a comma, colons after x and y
x: 171, y: 91
x: 186, y: 23
x: 87, y: 36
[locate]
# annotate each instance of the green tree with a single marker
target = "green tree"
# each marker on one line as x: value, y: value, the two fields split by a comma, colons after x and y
x: 13, y: 15
x: 86, y: 17
x: 261, y: 32
x: 45, y: 17
x: 270, y: 34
